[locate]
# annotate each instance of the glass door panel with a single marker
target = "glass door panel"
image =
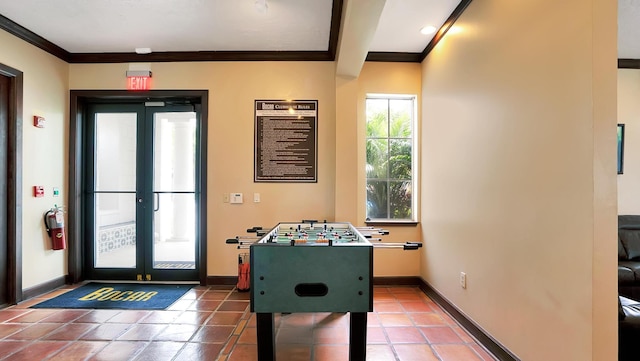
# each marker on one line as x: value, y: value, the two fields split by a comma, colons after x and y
x: 174, y: 219
x: 114, y: 192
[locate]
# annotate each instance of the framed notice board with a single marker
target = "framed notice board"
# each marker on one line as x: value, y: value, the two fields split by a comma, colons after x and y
x: 286, y: 141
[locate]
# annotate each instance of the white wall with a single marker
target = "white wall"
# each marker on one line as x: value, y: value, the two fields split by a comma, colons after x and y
x: 519, y: 174
x: 44, y: 152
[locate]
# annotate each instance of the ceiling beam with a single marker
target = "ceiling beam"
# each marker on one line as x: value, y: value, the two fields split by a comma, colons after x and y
x: 359, y: 23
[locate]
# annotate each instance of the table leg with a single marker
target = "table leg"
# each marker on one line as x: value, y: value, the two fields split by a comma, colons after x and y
x: 358, y: 336
x: 266, y: 339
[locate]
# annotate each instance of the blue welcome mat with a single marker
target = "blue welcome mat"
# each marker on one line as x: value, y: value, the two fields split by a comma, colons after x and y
x: 131, y: 296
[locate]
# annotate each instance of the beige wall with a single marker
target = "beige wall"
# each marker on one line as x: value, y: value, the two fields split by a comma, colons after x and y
x: 232, y: 89
x: 629, y: 114
x: 44, y: 152
x: 519, y: 174
x: 350, y: 194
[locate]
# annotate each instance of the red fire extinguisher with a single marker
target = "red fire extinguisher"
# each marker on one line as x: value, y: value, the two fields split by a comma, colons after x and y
x: 54, y: 223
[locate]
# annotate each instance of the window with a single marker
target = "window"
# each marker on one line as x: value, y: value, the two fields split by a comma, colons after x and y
x: 391, y: 158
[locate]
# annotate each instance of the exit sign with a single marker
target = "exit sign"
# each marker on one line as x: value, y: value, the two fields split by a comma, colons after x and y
x: 138, y: 82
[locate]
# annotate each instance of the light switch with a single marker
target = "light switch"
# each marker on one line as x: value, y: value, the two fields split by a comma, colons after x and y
x: 236, y: 198
x: 256, y: 197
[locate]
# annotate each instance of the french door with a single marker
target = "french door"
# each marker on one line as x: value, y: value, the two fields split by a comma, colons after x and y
x: 141, y: 192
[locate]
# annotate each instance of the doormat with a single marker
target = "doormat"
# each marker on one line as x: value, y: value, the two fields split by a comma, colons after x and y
x: 129, y: 296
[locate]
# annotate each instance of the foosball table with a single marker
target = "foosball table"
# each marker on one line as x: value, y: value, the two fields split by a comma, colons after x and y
x: 313, y: 267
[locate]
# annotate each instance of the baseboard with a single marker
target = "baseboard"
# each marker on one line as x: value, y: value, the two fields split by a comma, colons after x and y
x: 222, y: 280
x: 397, y: 281
x: 378, y: 281
x: 43, y: 288
x: 498, y: 350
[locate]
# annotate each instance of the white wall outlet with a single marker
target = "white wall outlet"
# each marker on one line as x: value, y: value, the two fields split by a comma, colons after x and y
x: 256, y: 197
x: 463, y: 280
x: 236, y: 198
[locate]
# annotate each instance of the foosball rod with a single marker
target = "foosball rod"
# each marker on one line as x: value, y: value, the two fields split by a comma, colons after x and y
x: 407, y: 246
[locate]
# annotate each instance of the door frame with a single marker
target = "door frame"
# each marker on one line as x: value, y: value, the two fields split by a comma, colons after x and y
x: 14, y: 185
x: 77, y: 110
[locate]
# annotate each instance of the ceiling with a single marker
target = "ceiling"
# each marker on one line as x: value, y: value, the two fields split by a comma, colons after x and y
x: 85, y: 31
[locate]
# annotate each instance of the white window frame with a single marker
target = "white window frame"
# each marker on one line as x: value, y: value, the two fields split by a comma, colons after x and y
x: 414, y: 159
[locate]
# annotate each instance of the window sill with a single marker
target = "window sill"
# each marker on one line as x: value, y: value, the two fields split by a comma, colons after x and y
x: 391, y: 223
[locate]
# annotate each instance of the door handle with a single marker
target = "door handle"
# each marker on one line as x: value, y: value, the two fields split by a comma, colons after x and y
x: 157, y: 201
x: 139, y: 200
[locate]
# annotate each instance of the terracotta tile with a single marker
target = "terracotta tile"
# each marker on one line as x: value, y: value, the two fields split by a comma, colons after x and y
x: 386, y: 307
x: 328, y: 319
x: 161, y: 317
x: 214, y: 295
x: 380, y: 353
x: 6, y: 315
x: 70, y: 331
x: 415, y: 353
x: 8, y: 347
x: 394, y: 319
x: 192, y: 317
x: 380, y: 290
x: 213, y: 334
x: 119, y: 350
x: 427, y: 319
x: 142, y: 332
x: 159, y: 351
x: 180, y: 305
x: 38, y: 350
x: 372, y: 320
x: 201, y: 351
x: 376, y: 335
x: 293, y: 352
x: 204, y: 305
x: 225, y: 318
x: 416, y: 307
x: 484, y: 354
x: 233, y: 306
x: 129, y: 316
x: 248, y: 336
x: 34, y: 331
x: 108, y: 331
x: 97, y: 316
x: 233, y: 340
x: 239, y: 327
x: 384, y: 297
x: 193, y: 294
x: 177, y: 333
x: 331, y: 335
x: 239, y: 296
x: 7, y: 329
x: 64, y: 316
x: 456, y: 353
x: 411, y: 297
x: 79, y: 350
x: 463, y: 334
x: 440, y: 335
x: 29, y: 303
x: 331, y: 352
x: 404, y: 335
x: 241, y: 353
x: 296, y: 320
x: 295, y: 335
x: 33, y: 316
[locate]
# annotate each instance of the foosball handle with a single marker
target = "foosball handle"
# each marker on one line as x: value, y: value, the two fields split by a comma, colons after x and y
x: 233, y: 241
x: 254, y: 229
x: 412, y: 245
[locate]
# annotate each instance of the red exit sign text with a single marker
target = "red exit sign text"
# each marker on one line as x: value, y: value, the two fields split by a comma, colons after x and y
x: 138, y: 82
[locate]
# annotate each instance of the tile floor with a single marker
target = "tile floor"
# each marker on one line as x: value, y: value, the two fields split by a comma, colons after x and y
x: 214, y: 323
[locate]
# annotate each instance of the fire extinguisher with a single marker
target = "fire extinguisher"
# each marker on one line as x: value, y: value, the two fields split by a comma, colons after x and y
x: 54, y: 223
